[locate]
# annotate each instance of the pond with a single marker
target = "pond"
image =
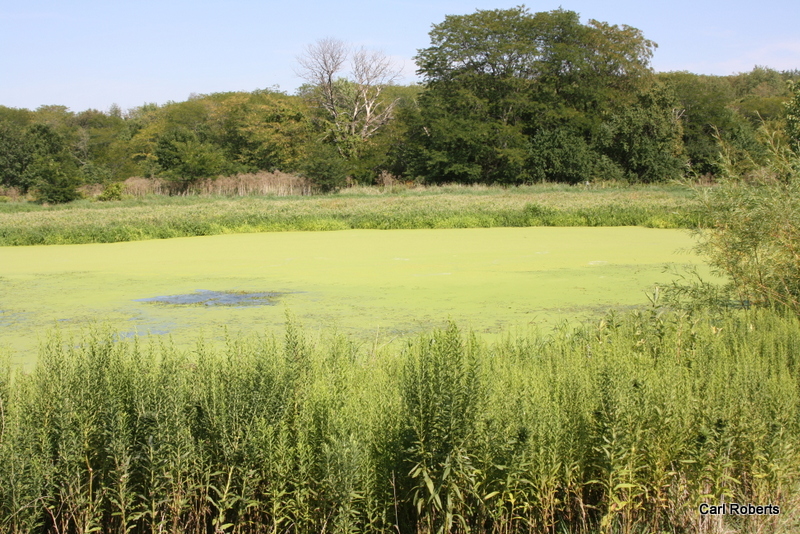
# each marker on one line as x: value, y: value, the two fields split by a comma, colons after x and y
x: 370, y: 284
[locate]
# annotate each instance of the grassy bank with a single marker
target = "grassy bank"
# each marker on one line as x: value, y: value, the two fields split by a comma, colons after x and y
x: 624, y: 426
x: 161, y: 217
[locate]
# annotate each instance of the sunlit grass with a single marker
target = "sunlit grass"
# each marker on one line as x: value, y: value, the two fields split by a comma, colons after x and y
x: 625, y: 425
x: 160, y: 217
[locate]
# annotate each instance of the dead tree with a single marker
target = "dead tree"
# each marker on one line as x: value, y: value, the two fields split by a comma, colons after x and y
x: 352, y: 108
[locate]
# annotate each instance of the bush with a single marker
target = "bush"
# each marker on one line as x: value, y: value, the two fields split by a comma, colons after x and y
x: 793, y: 117
x: 626, y: 425
x: 752, y: 234
x: 184, y: 157
x: 561, y: 156
x: 112, y: 191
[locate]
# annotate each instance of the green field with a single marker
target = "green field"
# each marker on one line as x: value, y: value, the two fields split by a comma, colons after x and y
x: 367, y: 283
x: 159, y: 217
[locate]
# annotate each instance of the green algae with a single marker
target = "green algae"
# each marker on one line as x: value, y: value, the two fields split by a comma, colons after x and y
x: 367, y: 283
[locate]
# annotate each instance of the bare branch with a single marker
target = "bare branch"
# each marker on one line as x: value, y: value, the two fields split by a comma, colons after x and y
x: 373, y: 68
x: 322, y: 60
x: 355, y: 108
x: 319, y: 66
x: 372, y: 72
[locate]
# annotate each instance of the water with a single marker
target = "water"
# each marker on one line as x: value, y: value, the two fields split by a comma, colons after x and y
x: 203, y: 297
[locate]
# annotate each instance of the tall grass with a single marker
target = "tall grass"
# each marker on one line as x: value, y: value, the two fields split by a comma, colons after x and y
x: 626, y: 425
x: 261, y: 183
x: 448, y: 207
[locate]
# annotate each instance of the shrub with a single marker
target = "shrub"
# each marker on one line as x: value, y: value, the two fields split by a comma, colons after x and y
x: 793, y: 117
x: 752, y: 234
x: 623, y: 426
x: 112, y: 191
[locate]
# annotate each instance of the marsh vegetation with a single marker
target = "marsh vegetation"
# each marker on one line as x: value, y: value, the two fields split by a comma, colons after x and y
x: 455, y: 206
x: 624, y: 425
x: 622, y: 422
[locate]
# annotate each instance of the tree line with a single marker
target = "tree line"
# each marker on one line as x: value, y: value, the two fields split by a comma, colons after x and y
x: 508, y: 96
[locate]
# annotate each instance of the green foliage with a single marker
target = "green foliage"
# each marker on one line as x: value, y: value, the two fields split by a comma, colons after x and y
x: 92, y: 173
x: 38, y: 158
x: 219, y: 134
x: 16, y: 153
x: 47, y: 166
x: 793, y: 117
x: 644, y: 139
x: 262, y: 130
x: 183, y: 156
x: 442, y: 393
x: 18, y: 117
x: 703, y: 107
x: 625, y: 425
x: 514, y: 97
x: 511, y: 97
x: 54, y: 183
x: 100, y: 142
x: 731, y: 108
x: 112, y: 191
x: 437, y: 207
x: 561, y: 156
x: 760, y: 94
x: 325, y: 167
x: 453, y: 138
x: 753, y: 232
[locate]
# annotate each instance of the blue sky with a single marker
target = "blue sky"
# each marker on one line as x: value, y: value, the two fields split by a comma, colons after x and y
x: 91, y: 54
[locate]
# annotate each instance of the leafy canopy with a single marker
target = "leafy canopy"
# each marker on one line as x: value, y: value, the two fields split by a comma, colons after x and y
x: 514, y: 96
x: 552, y: 48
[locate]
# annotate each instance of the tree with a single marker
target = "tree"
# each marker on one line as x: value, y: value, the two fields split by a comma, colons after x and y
x: 645, y: 138
x: 503, y: 52
x: 55, y: 181
x: 752, y: 233
x: 16, y: 153
x: 351, y: 110
x: 325, y: 167
x: 453, y: 137
x: 97, y: 143
x: 513, y: 97
x: 262, y: 130
x: 38, y: 158
x: 730, y: 109
x: 185, y: 157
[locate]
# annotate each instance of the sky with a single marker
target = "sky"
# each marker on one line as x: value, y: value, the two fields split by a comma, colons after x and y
x: 91, y: 53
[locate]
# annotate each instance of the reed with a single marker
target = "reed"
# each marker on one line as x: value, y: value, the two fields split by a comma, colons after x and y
x: 626, y: 425
x: 252, y: 184
x: 160, y: 217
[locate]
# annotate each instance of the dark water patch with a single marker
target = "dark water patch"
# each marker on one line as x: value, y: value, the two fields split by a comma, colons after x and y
x: 203, y: 297
x: 10, y: 318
